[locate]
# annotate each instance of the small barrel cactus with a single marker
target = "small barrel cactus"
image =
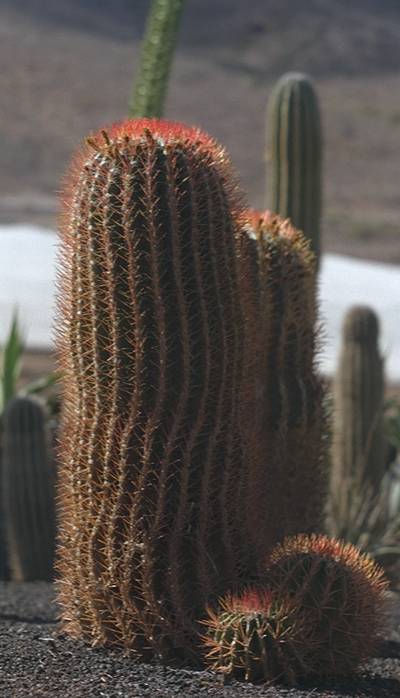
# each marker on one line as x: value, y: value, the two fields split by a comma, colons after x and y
x: 256, y: 637
x: 28, y: 491
x: 340, y: 591
x: 286, y: 434
x: 151, y: 351
x: 358, y: 445
x: 294, y: 155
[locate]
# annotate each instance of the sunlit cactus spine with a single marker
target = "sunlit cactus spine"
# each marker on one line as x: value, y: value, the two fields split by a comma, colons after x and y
x: 287, y: 490
x: 358, y: 451
x: 294, y: 145
x: 156, y: 57
x: 256, y: 636
x: 28, y: 481
x: 151, y: 352
x: 340, y: 591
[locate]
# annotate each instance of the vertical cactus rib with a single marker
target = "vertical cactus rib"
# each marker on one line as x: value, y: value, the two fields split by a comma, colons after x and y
x: 28, y: 491
x: 155, y: 329
x: 294, y: 155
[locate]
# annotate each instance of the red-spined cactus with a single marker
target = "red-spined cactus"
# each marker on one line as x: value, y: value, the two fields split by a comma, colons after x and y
x: 340, y: 591
x: 286, y: 429
x: 257, y: 636
x: 151, y: 352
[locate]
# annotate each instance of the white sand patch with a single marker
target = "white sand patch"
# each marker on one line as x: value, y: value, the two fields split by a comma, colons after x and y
x: 27, y: 281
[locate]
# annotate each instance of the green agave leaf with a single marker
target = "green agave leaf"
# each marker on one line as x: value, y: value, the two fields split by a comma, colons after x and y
x: 11, y: 362
x: 37, y: 386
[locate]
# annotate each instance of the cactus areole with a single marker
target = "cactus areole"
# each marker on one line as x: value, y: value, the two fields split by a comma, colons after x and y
x: 150, y: 346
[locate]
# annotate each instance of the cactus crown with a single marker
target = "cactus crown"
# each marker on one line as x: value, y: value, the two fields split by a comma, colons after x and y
x: 268, y: 227
x: 361, y: 324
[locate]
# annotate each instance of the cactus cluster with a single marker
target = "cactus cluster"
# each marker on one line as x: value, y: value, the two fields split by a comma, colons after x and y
x: 192, y: 436
x: 318, y: 614
x: 28, y: 483
x: 294, y: 155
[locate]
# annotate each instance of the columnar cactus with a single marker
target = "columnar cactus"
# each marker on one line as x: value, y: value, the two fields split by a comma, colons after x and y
x: 294, y: 155
x: 257, y: 636
x: 358, y: 453
x: 151, y: 352
x: 288, y: 494
x: 28, y: 481
x: 156, y: 58
x: 342, y: 594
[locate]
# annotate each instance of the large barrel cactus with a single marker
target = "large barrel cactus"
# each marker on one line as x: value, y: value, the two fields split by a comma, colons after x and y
x: 151, y: 351
x: 294, y: 155
x: 286, y: 431
x: 358, y: 453
x: 28, y: 481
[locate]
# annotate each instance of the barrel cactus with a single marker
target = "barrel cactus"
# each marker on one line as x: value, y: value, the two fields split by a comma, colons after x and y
x: 28, y: 482
x: 286, y: 434
x: 340, y: 591
x: 256, y: 636
x: 151, y: 352
x: 358, y: 451
x: 294, y: 155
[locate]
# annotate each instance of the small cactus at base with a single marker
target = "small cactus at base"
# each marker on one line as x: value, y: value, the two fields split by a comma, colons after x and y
x: 257, y: 637
x: 342, y: 593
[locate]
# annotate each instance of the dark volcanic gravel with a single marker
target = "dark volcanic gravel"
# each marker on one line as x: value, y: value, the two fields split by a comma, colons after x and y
x: 35, y: 660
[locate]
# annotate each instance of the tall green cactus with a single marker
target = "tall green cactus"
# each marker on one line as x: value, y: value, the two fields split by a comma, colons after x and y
x: 287, y: 428
x: 28, y: 491
x: 358, y: 440
x: 294, y: 155
x: 156, y: 58
x: 151, y: 350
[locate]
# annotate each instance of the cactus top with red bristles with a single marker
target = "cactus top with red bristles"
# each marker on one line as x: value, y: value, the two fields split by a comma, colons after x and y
x: 119, y: 142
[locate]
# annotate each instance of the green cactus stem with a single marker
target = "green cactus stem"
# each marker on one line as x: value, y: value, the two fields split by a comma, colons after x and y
x: 287, y: 495
x: 151, y: 350
x: 358, y: 451
x: 156, y: 58
x: 28, y: 481
x: 294, y: 155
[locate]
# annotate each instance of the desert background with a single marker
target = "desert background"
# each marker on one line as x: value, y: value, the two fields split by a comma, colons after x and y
x: 68, y: 67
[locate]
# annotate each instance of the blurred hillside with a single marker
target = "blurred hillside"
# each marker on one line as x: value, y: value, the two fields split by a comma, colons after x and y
x: 67, y: 67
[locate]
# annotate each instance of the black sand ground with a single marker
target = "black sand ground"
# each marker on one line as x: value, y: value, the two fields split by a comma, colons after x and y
x: 35, y: 660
